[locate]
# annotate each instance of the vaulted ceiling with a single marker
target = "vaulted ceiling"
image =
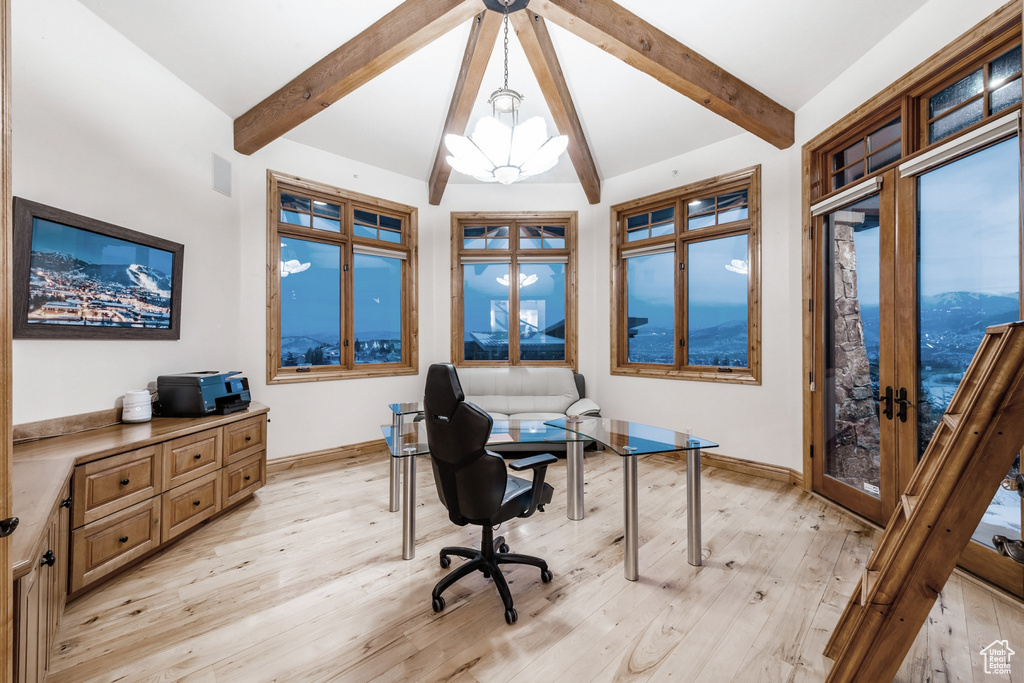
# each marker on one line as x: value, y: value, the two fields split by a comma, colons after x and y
x: 632, y: 82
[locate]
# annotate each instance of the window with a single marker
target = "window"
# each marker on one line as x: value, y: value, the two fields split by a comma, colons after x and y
x: 868, y: 154
x: 513, y: 289
x: 685, y: 282
x: 987, y: 90
x: 341, y: 295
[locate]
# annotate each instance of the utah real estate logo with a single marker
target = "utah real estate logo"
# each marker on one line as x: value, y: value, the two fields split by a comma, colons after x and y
x: 997, y: 657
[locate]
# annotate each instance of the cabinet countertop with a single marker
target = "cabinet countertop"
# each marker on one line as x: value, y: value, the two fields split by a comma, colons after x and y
x: 41, y: 469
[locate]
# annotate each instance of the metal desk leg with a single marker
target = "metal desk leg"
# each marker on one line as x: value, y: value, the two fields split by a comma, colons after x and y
x: 629, y: 503
x: 574, y: 480
x: 396, y: 449
x: 693, y: 548
x: 409, y: 501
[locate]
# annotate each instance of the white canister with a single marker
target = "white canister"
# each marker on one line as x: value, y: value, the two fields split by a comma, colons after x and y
x: 137, y: 407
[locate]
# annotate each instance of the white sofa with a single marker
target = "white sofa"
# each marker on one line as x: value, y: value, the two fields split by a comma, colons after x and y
x: 526, y: 393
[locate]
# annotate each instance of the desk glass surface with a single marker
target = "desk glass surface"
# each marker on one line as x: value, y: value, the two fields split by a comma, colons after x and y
x: 414, y: 436
x: 406, y: 408
x: 631, y: 438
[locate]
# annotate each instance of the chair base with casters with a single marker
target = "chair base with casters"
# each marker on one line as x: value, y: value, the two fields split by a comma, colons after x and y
x: 492, y: 554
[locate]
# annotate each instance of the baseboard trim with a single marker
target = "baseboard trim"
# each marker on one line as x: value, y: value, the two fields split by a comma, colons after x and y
x: 757, y: 469
x: 354, y: 450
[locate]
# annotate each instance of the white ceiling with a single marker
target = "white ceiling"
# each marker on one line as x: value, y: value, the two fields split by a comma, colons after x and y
x: 236, y: 52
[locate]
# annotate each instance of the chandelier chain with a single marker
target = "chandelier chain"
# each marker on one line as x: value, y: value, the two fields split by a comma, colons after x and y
x: 506, y: 47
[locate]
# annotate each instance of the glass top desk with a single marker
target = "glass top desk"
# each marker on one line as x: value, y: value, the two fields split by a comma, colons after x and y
x: 627, y: 439
x: 399, y: 411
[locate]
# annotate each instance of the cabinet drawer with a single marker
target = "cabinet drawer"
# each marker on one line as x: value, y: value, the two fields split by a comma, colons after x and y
x: 242, y: 478
x: 188, y: 505
x: 111, y: 484
x: 245, y: 438
x: 99, y: 548
x: 191, y: 456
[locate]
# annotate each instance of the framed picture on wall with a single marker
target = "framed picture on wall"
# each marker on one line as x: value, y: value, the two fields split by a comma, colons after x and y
x: 80, y: 278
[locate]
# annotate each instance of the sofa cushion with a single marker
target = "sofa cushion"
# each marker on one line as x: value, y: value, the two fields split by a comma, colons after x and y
x: 520, y: 390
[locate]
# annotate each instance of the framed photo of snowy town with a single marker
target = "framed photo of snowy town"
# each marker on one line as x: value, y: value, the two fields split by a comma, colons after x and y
x: 80, y: 278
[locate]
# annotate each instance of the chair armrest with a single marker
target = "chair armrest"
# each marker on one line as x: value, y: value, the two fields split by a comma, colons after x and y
x: 539, y: 465
x: 533, y: 462
x: 584, y: 406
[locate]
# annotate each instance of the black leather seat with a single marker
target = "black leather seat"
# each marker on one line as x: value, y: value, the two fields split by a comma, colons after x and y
x: 474, y: 485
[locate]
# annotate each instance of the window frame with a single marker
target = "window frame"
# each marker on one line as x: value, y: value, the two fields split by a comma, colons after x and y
x: 348, y: 242
x: 514, y: 219
x: 748, y: 179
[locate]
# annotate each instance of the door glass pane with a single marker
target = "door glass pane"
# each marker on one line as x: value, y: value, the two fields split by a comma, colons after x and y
x: 716, y: 307
x: 310, y: 302
x: 485, y: 290
x: 968, y: 279
x: 851, y: 363
x: 651, y: 309
x: 542, y: 311
x: 377, y: 309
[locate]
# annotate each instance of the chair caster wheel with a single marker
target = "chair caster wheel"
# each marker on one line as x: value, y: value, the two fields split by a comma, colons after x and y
x: 545, y: 576
x: 510, y: 616
x: 445, y: 563
x: 503, y: 548
x: 438, y: 604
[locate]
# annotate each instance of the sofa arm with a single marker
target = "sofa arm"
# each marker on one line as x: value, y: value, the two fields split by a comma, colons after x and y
x: 584, y: 406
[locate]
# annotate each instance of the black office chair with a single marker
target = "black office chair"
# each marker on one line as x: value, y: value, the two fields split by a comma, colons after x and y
x: 474, y: 486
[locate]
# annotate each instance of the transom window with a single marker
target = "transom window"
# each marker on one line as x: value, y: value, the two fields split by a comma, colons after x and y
x: 513, y: 290
x: 686, y: 282
x: 985, y: 91
x: 342, y: 301
x: 874, y: 151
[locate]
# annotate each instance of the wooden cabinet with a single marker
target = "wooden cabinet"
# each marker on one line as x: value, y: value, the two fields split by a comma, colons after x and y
x: 125, y: 491
x: 189, y: 504
x: 240, y: 479
x: 111, y: 484
x: 39, y: 597
x: 99, y: 548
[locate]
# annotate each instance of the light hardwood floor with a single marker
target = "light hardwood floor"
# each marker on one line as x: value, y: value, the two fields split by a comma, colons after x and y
x: 306, y: 583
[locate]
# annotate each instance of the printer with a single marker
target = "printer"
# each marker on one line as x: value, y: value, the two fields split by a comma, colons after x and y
x: 207, y: 392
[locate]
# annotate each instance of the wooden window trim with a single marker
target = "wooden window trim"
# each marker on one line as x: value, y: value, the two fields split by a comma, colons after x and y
x: 349, y: 201
x: 514, y: 219
x: 749, y: 179
x: 999, y: 29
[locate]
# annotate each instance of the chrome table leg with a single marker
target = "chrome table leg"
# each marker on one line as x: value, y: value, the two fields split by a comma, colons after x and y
x: 409, y: 501
x: 693, y: 549
x: 631, y: 506
x: 574, y: 480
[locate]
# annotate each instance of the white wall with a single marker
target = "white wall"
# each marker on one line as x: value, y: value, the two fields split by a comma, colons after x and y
x: 102, y: 130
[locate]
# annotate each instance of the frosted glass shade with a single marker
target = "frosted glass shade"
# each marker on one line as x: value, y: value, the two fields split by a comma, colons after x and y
x: 496, y: 153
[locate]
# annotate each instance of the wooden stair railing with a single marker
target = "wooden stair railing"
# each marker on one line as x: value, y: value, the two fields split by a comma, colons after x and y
x: 974, y: 445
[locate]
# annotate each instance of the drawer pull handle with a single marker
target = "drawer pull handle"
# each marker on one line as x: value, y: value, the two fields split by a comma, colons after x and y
x: 197, y: 456
x: 247, y: 477
x: 248, y: 438
x: 66, y: 503
x: 125, y: 482
x: 48, y: 559
x: 123, y: 539
x: 195, y: 503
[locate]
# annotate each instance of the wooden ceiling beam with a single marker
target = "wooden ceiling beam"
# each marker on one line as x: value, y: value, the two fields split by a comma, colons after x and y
x: 479, y: 48
x: 401, y: 32
x: 618, y: 31
x: 536, y: 41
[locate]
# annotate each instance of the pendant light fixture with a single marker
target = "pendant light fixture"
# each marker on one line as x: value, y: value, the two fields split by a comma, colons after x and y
x: 502, y: 152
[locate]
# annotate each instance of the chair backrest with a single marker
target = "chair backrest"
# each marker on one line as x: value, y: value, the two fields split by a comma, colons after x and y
x: 470, y: 481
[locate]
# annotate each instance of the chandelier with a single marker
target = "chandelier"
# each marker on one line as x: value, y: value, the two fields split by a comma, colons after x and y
x: 500, y: 152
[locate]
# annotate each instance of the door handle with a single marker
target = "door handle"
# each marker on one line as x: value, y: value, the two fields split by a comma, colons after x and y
x: 7, y: 526
x: 887, y: 399
x: 902, y: 401
x: 1015, y: 484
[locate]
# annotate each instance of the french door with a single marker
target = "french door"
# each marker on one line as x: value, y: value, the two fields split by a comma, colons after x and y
x: 911, y: 270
